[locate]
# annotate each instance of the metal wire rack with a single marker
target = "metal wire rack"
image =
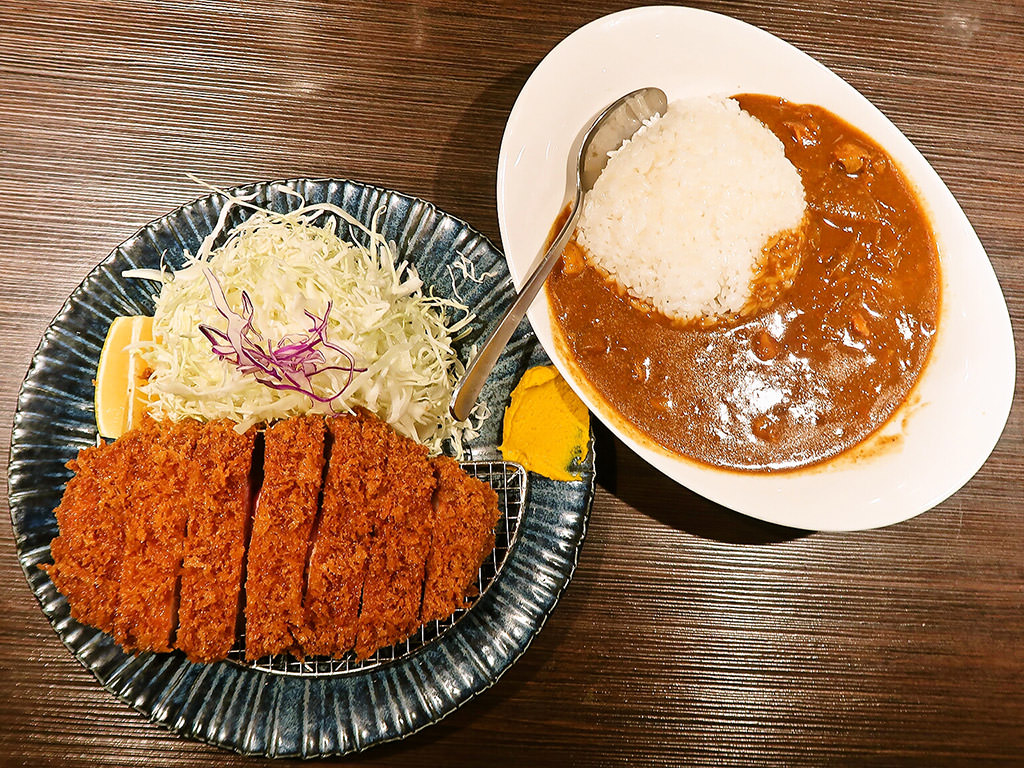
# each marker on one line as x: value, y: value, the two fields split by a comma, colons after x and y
x: 509, y: 481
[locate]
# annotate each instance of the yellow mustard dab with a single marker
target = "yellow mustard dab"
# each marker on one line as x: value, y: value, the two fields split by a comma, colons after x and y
x: 546, y: 426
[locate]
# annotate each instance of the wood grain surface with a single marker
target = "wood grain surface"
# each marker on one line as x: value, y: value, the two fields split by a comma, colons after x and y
x: 690, y: 635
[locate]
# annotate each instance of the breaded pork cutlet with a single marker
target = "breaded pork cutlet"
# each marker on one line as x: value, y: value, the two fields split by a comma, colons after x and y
x: 153, y: 537
x: 286, y: 511
x: 219, y: 497
x: 92, y: 512
x: 341, y: 547
x: 401, y: 505
x: 154, y: 541
x: 462, y: 535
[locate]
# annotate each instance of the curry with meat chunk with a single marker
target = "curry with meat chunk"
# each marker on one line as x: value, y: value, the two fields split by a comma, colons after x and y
x: 817, y: 370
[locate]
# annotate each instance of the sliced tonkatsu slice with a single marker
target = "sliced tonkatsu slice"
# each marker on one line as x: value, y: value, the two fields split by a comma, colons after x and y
x: 465, y: 514
x: 401, y: 504
x: 219, y: 494
x: 154, y: 540
x: 87, y: 554
x: 341, y: 548
x: 286, y: 511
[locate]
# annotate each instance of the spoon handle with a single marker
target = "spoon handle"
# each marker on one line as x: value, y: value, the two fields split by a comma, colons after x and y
x: 468, y: 389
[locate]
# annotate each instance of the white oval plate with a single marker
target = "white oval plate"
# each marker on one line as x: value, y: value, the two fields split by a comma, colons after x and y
x: 954, y: 416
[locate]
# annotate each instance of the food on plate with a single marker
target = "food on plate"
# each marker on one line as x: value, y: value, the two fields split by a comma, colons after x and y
x: 401, y: 506
x: 340, y: 552
x: 120, y: 399
x: 220, y: 498
x: 155, y: 528
x: 820, y: 364
x: 458, y: 542
x: 282, y: 527
x: 546, y: 427
x: 292, y: 314
x: 154, y: 542
x: 681, y: 214
x: 277, y: 484
x: 87, y: 554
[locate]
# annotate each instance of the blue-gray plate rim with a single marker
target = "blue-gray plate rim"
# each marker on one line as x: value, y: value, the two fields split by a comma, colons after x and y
x: 248, y: 710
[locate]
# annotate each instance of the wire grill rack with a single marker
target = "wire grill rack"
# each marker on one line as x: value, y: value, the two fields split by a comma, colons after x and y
x: 509, y: 481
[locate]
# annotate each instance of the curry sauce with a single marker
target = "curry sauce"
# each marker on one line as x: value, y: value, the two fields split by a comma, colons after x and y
x: 814, y: 373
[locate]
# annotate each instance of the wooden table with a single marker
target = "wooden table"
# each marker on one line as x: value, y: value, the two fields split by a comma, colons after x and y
x: 690, y: 634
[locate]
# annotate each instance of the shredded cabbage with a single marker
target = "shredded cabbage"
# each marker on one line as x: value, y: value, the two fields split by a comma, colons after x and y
x: 400, y: 338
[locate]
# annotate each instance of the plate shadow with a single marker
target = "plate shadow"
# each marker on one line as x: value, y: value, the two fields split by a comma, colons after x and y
x: 628, y: 477
x: 466, y: 179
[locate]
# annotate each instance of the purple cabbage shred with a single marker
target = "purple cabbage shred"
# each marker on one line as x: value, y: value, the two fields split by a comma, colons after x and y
x: 290, y: 364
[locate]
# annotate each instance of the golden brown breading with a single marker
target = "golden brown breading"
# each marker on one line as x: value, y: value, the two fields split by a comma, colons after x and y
x: 219, y: 498
x: 286, y: 510
x: 91, y: 515
x: 341, y: 548
x: 154, y: 539
x: 401, y: 505
x: 465, y: 513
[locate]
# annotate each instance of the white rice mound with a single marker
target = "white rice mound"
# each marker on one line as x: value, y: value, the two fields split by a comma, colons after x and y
x: 682, y: 211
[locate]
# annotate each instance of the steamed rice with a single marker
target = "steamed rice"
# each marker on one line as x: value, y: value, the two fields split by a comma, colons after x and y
x: 682, y: 212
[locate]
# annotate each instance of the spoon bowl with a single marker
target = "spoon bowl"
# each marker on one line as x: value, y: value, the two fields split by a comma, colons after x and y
x: 616, y: 123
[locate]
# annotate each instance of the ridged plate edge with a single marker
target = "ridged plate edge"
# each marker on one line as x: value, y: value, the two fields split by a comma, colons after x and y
x: 242, y: 709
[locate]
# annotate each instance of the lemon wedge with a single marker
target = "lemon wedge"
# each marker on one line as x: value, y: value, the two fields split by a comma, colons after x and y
x: 119, y: 400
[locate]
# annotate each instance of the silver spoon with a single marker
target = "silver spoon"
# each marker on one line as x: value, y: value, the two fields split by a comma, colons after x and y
x: 616, y: 123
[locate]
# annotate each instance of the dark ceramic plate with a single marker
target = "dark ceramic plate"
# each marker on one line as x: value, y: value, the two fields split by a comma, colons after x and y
x: 291, y: 709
